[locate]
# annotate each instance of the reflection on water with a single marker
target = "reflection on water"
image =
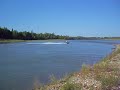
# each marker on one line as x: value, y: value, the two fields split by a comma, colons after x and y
x: 22, y: 63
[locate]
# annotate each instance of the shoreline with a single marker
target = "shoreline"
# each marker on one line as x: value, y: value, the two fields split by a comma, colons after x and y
x: 104, y: 75
x: 17, y: 40
x: 11, y: 40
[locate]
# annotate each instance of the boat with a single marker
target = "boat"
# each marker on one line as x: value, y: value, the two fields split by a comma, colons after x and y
x: 67, y: 42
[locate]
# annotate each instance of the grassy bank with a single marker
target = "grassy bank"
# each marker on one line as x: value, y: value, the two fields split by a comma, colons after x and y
x: 16, y: 40
x: 104, y: 75
x: 11, y: 40
x: 112, y: 39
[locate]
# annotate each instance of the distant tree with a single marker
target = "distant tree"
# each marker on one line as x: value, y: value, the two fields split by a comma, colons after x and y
x: 14, y: 34
x: 5, y: 33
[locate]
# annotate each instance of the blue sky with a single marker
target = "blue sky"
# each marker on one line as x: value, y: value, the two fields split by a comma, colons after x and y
x: 64, y: 17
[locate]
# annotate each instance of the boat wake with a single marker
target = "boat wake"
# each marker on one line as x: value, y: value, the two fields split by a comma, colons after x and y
x: 48, y: 43
x: 53, y: 43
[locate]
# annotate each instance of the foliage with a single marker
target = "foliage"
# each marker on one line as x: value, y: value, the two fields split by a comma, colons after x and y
x: 85, y: 69
x: 108, y: 80
x: 5, y: 33
x: 53, y: 79
x: 70, y: 86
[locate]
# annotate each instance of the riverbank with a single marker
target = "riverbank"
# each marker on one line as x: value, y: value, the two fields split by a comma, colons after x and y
x: 11, y: 40
x: 16, y: 40
x: 104, y: 75
x: 112, y: 39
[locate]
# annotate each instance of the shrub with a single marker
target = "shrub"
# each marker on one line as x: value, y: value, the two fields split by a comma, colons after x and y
x: 53, y: 79
x: 108, y: 81
x: 70, y: 86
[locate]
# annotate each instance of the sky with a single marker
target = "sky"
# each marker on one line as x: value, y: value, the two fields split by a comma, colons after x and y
x: 63, y: 17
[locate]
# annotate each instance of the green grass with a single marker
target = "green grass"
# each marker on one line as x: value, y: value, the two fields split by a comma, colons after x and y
x: 53, y: 79
x: 16, y: 40
x: 108, y: 81
x: 70, y: 86
x: 112, y: 39
x: 11, y: 41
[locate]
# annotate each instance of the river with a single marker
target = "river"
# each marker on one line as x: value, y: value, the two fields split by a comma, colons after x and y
x: 21, y: 64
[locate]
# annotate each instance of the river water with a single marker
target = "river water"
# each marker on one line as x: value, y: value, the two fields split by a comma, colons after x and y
x: 21, y: 64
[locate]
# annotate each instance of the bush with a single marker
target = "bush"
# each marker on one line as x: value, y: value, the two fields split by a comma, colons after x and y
x: 108, y: 81
x: 69, y: 86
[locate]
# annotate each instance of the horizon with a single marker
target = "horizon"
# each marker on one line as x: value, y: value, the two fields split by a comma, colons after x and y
x: 64, y: 35
x: 87, y: 18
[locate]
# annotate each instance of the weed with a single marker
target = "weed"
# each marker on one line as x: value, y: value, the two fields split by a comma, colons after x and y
x: 70, y: 86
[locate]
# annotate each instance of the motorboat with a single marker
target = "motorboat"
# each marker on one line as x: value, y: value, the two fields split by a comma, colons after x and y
x: 67, y: 42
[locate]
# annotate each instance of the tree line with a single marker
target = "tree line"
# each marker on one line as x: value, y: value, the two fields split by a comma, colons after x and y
x: 6, y: 33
